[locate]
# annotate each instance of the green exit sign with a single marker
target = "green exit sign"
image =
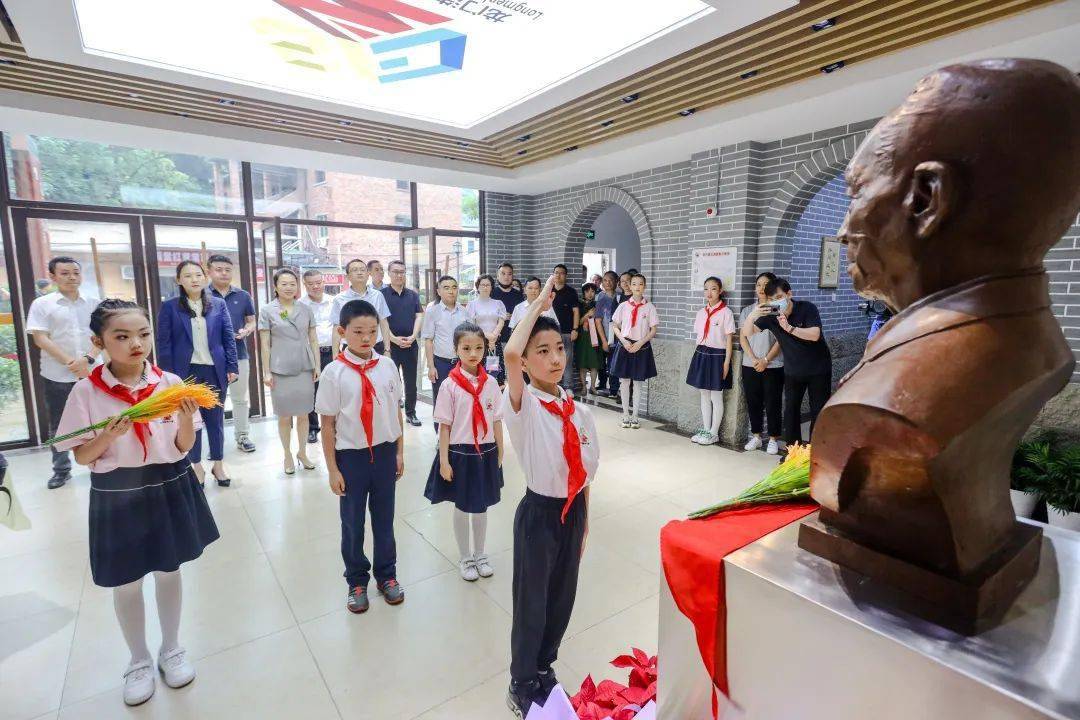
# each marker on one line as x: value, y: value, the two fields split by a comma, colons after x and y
x: 590, y: 234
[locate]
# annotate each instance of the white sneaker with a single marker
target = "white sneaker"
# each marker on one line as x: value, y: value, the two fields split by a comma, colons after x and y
x: 483, y: 567
x: 709, y: 439
x: 175, y: 668
x: 773, y: 447
x: 754, y: 444
x: 468, y: 570
x: 139, y: 682
x: 635, y: 424
x: 626, y: 422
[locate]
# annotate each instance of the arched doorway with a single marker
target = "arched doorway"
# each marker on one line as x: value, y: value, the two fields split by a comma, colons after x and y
x: 583, y: 215
x: 614, y: 244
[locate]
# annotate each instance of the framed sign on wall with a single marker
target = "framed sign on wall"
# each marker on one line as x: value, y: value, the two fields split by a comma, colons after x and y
x: 829, y: 268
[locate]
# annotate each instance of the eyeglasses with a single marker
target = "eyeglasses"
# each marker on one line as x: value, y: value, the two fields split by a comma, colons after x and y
x: 397, y: 272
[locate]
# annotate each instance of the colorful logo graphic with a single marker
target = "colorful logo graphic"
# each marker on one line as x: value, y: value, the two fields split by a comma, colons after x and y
x: 380, y: 41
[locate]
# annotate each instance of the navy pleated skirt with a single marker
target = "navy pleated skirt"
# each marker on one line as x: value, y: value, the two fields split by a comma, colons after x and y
x: 633, y: 366
x: 148, y: 518
x: 706, y: 371
x: 478, y: 479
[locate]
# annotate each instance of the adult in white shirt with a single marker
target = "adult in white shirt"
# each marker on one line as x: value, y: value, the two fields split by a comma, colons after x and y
x: 321, y: 306
x: 375, y: 274
x: 357, y: 272
x: 440, y: 320
x: 490, y: 315
x: 59, y: 323
x: 532, y: 291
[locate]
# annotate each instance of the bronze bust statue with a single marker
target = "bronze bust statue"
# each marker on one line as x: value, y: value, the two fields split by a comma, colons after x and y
x: 957, y: 196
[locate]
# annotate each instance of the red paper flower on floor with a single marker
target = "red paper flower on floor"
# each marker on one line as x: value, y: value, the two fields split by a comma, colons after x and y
x: 614, y: 700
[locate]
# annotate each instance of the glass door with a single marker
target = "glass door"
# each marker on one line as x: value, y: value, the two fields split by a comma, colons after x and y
x: 422, y: 275
x: 109, y: 253
x: 171, y: 241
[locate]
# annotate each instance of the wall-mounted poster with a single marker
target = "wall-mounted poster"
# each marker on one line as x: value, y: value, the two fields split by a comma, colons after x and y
x: 720, y: 262
x: 829, y: 271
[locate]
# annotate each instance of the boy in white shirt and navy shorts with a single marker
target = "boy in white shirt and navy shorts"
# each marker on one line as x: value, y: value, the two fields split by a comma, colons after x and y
x: 556, y: 443
x: 362, y: 439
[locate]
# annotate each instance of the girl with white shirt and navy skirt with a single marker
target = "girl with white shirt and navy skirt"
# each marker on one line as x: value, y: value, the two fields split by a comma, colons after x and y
x: 634, y: 323
x: 710, y: 367
x: 490, y: 315
x: 147, y: 512
x: 468, y: 468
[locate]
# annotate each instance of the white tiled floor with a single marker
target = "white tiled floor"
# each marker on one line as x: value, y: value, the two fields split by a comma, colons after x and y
x: 264, y: 615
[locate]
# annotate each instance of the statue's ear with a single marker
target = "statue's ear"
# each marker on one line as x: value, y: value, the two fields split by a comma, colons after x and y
x: 931, y: 197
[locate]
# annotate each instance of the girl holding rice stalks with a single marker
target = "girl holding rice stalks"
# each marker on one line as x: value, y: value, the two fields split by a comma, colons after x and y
x: 132, y: 424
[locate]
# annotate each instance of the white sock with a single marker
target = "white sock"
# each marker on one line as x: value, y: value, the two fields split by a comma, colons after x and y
x: 461, y: 533
x: 624, y: 395
x: 706, y: 409
x: 479, y: 532
x: 717, y: 410
x: 169, y: 594
x: 130, y: 613
x: 638, y: 391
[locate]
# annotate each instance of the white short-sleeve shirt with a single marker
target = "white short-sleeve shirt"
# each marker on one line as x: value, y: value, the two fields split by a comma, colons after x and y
x: 522, y: 308
x: 647, y: 318
x: 721, y: 324
x: 439, y: 325
x: 537, y: 437
x: 370, y: 295
x: 324, y: 325
x: 454, y: 408
x: 341, y: 394
x: 68, y: 324
x: 486, y: 313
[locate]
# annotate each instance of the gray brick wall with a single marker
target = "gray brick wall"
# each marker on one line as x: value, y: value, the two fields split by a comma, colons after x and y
x: 759, y: 190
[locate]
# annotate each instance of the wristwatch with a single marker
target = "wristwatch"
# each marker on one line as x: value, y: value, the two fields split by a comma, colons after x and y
x: 89, y: 360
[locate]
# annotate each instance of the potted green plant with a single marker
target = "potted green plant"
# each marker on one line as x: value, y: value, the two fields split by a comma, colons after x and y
x: 1062, y: 490
x: 1031, y: 466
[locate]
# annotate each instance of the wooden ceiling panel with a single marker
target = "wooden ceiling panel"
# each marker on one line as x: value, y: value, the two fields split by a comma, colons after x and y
x: 779, y: 50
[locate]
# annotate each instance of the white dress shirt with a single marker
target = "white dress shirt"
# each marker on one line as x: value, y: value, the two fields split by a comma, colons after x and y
x: 341, y: 393
x: 68, y: 324
x: 537, y: 437
x: 200, y: 343
x: 371, y: 295
x: 439, y: 325
x: 324, y: 323
x: 522, y: 308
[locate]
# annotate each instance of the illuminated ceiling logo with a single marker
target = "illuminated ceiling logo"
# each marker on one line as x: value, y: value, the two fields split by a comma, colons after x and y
x: 383, y: 26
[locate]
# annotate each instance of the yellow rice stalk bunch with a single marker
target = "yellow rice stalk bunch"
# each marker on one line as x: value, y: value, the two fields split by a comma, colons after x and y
x: 788, y: 481
x: 159, y: 405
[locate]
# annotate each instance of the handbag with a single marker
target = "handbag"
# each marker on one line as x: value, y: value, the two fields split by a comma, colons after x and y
x: 11, y: 514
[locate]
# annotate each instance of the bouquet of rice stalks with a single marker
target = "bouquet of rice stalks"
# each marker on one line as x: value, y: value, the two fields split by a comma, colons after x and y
x: 159, y: 405
x: 788, y: 481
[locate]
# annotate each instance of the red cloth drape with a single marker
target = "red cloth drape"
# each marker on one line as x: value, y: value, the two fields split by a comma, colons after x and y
x: 692, y: 553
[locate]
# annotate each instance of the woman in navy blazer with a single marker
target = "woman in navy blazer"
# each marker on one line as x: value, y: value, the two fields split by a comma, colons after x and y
x: 195, y: 339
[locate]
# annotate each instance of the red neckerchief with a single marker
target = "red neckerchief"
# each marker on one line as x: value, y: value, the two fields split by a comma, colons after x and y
x: 478, y: 419
x: 571, y: 448
x: 708, y: 319
x: 142, y: 430
x: 367, y: 404
x: 633, y: 313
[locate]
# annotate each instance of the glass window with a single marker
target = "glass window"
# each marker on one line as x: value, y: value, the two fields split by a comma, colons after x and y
x: 88, y: 173
x: 402, y: 185
x: 403, y: 220
x: 340, y: 197
x: 330, y: 252
x: 454, y: 257
x: 14, y: 425
x: 448, y: 208
x: 103, y: 250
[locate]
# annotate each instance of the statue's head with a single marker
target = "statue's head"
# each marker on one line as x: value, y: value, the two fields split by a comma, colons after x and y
x: 977, y: 173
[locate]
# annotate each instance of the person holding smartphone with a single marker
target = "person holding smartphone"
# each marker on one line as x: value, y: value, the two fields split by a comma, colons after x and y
x: 796, y: 324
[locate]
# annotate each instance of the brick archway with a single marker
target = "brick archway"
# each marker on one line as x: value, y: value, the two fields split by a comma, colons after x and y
x: 583, y: 214
x: 790, y: 200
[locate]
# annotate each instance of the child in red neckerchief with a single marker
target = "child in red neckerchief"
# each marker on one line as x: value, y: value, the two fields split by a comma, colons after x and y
x: 634, y: 323
x: 148, y: 514
x: 556, y: 443
x: 710, y: 368
x: 468, y: 468
x: 362, y: 439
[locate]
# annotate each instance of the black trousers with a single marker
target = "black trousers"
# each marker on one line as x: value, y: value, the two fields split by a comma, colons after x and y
x: 326, y: 356
x: 406, y: 360
x: 819, y: 387
x: 368, y: 485
x: 443, y: 366
x: 56, y: 395
x: 547, y: 556
x: 764, y: 393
